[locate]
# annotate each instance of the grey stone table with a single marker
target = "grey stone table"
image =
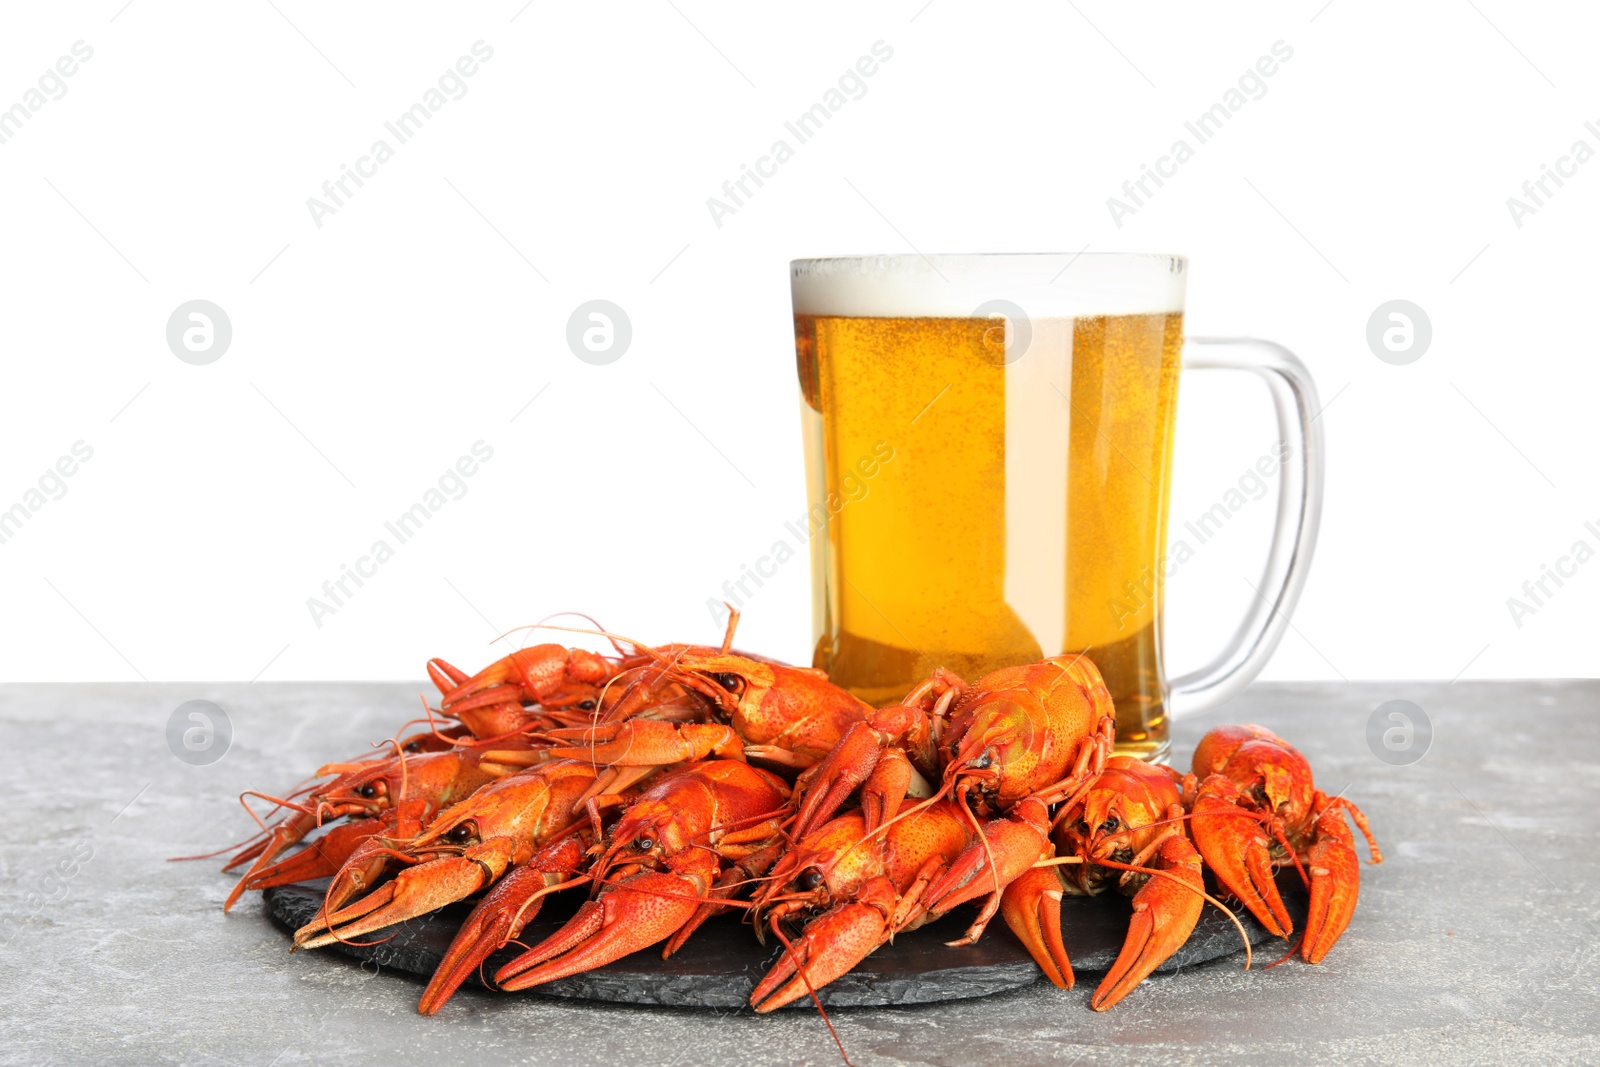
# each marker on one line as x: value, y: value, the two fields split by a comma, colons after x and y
x: 1477, y: 941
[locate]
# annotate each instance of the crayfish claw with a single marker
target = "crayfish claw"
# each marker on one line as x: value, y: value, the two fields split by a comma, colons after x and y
x: 526, y: 676
x: 831, y: 945
x: 319, y: 931
x: 1164, y: 915
x: 284, y: 836
x: 253, y: 851
x: 628, y: 916
x: 446, y: 677
x: 1013, y: 843
x: 1335, y: 883
x: 1235, y: 847
x: 414, y: 891
x: 499, y: 917
x: 839, y: 774
x: 892, y: 781
x: 1031, y: 906
x: 321, y: 858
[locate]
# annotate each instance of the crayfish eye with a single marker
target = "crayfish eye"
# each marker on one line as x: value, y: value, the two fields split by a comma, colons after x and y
x: 809, y: 880
x: 729, y: 681
x: 1110, y: 826
x: 460, y: 834
x: 644, y: 844
x: 414, y: 746
x: 367, y: 791
x: 982, y: 763
x: 585, y: 705
x: 1083, y: 827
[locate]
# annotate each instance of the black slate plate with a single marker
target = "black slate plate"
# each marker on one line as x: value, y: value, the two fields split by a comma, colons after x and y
x: 722, y: 962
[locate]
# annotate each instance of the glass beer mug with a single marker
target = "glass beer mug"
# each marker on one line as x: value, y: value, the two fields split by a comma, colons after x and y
x: 988, y: 456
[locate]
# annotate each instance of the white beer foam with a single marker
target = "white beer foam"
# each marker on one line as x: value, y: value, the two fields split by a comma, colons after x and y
x: 1064, y: 285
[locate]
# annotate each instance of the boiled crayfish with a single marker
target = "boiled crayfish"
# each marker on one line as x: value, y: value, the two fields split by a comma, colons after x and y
x: 1248, y: 808
x: 679, y: 781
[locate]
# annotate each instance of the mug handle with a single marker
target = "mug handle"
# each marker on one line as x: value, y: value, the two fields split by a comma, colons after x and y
x: 1294, y: 399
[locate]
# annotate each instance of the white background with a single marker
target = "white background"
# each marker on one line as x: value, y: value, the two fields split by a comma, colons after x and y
x: 369, y: 353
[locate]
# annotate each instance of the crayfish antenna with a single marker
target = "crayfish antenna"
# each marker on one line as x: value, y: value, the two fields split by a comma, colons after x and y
x: 811, y: 990
x: 251, y: 845
x: 609, y: 635
x: 733, y: 624
x: 592, y: 621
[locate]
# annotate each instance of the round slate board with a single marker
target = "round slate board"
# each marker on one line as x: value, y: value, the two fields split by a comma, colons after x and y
x: 721, y: 963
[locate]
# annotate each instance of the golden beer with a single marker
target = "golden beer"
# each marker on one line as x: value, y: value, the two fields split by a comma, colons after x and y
x: 991, y: 499
x: 989, y: 447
